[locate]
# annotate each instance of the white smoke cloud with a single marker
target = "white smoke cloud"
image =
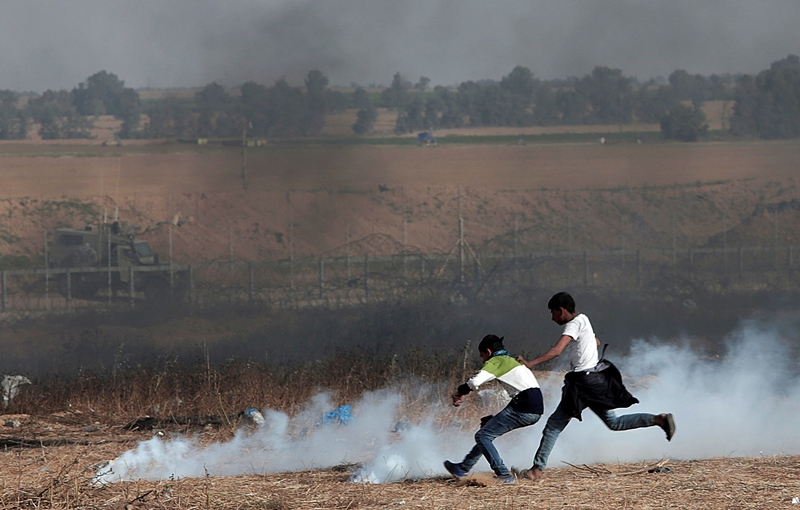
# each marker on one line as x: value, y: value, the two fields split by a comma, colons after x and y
x: 745, y: 403
x: 281, y: 444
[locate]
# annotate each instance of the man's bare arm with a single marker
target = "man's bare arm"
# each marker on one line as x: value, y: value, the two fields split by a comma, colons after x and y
x: 554, y: 352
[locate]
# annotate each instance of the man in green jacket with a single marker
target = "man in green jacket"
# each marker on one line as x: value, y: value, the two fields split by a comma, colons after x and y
x: 525, y: 408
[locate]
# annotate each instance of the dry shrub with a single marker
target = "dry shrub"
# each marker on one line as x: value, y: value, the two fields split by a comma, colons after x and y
x: 199, y: 390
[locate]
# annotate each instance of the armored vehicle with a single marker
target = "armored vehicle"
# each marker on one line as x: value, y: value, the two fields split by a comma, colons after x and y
x: 108, y: 258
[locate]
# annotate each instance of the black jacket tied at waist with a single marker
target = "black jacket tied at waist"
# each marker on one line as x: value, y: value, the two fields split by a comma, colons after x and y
x: 599, y: 389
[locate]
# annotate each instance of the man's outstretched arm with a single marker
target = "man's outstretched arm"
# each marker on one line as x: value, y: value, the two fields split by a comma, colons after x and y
x: 554, y: 352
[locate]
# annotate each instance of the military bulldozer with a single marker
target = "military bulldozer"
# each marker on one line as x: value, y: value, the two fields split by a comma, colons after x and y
x: 90, y: 260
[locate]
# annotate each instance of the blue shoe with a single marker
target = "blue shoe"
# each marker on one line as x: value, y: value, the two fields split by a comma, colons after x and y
x: 506, y: 480
x: 454, y: 469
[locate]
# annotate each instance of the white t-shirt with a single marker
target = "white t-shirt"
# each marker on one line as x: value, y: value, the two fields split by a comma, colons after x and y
x: 582, y: 351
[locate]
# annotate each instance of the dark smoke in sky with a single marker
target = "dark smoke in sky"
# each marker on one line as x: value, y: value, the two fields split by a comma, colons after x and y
x: 186, y: 43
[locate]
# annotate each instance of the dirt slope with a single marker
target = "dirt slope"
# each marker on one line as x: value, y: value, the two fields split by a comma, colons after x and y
x: 545, y: 197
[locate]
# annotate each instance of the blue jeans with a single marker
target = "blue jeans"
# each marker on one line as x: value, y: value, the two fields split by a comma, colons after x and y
x: 502, y: 422
x: 558, y: 421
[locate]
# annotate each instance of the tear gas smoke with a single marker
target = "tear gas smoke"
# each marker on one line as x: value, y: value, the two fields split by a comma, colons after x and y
x: 745, y: 403
x: 281, y: 444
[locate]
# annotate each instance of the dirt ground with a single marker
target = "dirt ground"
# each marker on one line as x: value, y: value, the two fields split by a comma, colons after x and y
x: 49, y: 463
x: 118, y: 172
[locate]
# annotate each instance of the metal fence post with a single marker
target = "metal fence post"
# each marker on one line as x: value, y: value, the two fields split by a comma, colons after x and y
x: 250, y: 282
x: 171, y: 265
x: 638, y: 268
x: 230, y: 247
x: 674, y: 242
x: 725, y: 261
x: 405, y: 250
x: 366, y: 276
x: 4, y: 291
x: 741, y: 264
x: 69, y: 289
x: 347, y: 262
x: 108, y: 250
x: 530, y: 270
x: 46, y: 274
x: 132, y: 283
x: 321, y: 278
x: 775, y: 253
x: 291, y: 271
x: 191, y: 284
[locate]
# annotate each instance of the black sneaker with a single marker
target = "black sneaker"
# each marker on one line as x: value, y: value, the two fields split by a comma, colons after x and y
x: 454, y: 469
x: 669, y: 426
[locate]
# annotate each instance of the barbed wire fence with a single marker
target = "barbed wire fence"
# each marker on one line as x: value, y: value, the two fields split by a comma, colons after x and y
x: 462, y: 274
x: 379, y: 268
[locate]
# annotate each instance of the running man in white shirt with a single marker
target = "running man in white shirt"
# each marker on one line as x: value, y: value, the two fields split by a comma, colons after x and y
x: 591, y: 382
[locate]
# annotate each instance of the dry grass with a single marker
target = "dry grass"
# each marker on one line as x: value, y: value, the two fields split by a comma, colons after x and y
x: 49, y: 459
x: 60, y: 477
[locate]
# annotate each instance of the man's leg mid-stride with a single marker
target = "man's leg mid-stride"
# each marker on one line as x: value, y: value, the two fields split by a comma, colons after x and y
x: 556, y: 423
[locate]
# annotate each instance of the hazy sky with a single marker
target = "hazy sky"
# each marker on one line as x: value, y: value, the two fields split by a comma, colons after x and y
x: 57, y: 44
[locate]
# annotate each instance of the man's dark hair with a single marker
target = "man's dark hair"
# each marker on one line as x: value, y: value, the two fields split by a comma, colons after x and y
x: 491, y: 342
x: 561, y: 300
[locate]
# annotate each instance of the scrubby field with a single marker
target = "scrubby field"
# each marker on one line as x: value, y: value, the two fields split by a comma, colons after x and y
x: 53, y: 461
x: 60, y: 477
x: 319, y: 194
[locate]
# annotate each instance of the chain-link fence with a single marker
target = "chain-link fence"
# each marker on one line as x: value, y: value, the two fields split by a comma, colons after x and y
x: 348, y: 280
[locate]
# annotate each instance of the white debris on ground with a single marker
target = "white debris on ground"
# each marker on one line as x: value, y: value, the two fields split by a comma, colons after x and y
x: 11, y: 384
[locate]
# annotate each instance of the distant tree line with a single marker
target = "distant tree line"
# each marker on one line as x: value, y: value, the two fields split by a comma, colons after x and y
x: 604, y: 96
x: 280, y: 110
x: 766, y: 105
x: 277, y: 111
x: 67, y: 114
